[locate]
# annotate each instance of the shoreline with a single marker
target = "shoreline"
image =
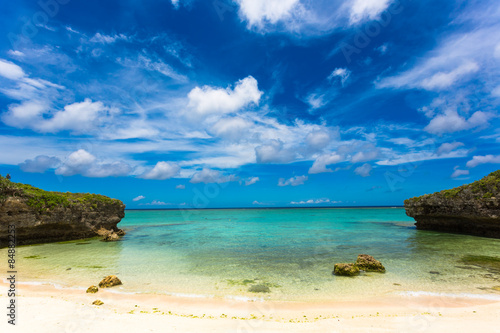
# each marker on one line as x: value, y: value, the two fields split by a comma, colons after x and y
x: 55, y: 307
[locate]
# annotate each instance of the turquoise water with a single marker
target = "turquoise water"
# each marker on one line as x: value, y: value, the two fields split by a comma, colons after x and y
x: 221, y: 253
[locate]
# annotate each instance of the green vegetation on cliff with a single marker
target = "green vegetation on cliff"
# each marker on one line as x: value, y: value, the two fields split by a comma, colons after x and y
x: 42, y: 200
x: 484, y: 188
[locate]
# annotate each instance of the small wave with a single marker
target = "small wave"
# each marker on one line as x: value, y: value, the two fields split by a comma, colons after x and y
x: 460, y: 295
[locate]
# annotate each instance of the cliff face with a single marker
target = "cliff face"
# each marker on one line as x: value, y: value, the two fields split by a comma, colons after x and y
x: 41, y: 216
x: 471, y: 209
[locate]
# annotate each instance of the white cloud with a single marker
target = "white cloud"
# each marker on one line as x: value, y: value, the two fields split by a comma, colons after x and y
x: 451, y: 121
x: 321, y: 163
x: 175, y: 3
x: 294, y: 181
x: 383, y: 48
x: 180, y: 187
x: 140, y: 197
x: 107, y: 39
x: 318, y: 140
x: 10, y: 70
x: 273, y: 152
x: 341, y: 73
x: 255, y: 202
x: 364, y: 170
x: 16, y: 53
x: 251, y: 181
x: 156, y: 203
x: 208, y: 100
x: 443, y: 80
x: 77, y: 117
x: 162, y: 170
x: 207, y: 176
x: 447, y: 147
x: 83, y: 163
x: 259, y: 12
x: 313, y: 201
x: 40, y: 164
x: 367, y: 155
x: 478, y: 160
x: 458, y: 172
x: 231, y: 128
x: 364, y: 10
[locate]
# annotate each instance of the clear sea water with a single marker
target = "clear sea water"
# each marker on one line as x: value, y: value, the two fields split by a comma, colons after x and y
x: 222, y: 253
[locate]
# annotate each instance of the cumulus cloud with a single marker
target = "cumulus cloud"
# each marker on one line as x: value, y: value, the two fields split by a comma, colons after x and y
x: 363, y: 10
x: 83, y: 163
x: 233, y: 128
x: 207, y: 176
x: 140, y: 197
x: 451, y: 121
x: 77, y: 117
x: 318, y: 140
x: 321, y: 163
x: 478, y: 160
x: 341, y: 73
x: 259, y: 12
x: 312, y: 201
x: 447, y: 147
x: 156, y: 203
x: 40, y: 164
x: 364, y: 170
x: 273, y: 152
x: 162, y: 170
x: 10, y: 70
x: 294, y: 181
x: 251, y: 181
x: 208, y: 100
x: 180, y: 187
x: 107, y: 39
x: 458, y: 173
x: 443, y: 80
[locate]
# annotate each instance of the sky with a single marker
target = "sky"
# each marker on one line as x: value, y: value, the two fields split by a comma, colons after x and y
x: 250, y: 103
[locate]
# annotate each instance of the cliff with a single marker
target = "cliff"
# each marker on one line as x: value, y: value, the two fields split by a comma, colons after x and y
x: 41, y: 216
x: 470, y: 209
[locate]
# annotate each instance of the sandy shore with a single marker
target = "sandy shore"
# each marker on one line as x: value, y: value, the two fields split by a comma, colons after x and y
x: 44, y: 308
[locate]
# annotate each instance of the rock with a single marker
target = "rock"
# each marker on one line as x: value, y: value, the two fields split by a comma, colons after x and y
x: 92, y: 290
x: 259, y: 288
x: 110, y: 281
x: 120, y: 232
x: 42, y: 216
x: 111, y: 237
x: 346, y: 269
x: 472, y: 209
x: 497, y: 288
x: 434, y: 272
x: 97, y: 302
x: 367, y: 263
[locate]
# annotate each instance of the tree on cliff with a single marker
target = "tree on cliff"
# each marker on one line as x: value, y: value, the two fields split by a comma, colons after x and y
x: 8, y: 176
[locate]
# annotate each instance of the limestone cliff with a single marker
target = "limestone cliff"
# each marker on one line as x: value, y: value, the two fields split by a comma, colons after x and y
x: 471, y: 209
x: 42, y: 216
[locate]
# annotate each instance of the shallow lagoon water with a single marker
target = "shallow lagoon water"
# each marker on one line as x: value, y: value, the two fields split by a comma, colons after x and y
x: 222, y: 253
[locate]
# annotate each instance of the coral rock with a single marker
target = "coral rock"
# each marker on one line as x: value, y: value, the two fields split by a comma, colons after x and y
x: 110, y: 281
x: 346, y: 269
x: 367, y: 263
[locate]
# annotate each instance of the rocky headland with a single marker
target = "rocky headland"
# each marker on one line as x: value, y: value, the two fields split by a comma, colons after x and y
x: 41, y: 216
x: 469, y: 209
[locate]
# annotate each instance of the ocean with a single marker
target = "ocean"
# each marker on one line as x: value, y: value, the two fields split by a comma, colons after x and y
x: 291, y: 252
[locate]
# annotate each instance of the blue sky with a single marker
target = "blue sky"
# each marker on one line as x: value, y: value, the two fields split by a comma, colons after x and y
x: 249, y: 103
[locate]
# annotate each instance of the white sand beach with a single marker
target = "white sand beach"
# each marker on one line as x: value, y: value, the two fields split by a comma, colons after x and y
x: 45, y: 308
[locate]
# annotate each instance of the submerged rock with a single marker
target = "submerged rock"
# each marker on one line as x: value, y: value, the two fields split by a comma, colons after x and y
x: 367, y: 263
x: 42, y: 216
x: 97, y: 302
x: 92, y: 290
x: 259, y: 288
x: 346, y: 269
x: 470, y: 209
x: 110, y: 281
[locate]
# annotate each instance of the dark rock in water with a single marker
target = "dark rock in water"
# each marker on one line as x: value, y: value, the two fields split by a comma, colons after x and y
x: 470, y: 209
x: 110, y: 281
x: 346, y: 269
x: 92, y: 290
x: 434, y: 272
x: 367, y: 263
x: 97, y: 302
x: 259, y: 288
x: 485, y: 262
x: 42, y: 216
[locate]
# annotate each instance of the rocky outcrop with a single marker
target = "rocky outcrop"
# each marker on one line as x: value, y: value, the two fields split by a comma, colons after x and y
x: 110, y: 281
x: 469, y: 209
x: 346, y: 269
x: 41, y: 216
x: 367, y: 263
x: 92, y: 290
